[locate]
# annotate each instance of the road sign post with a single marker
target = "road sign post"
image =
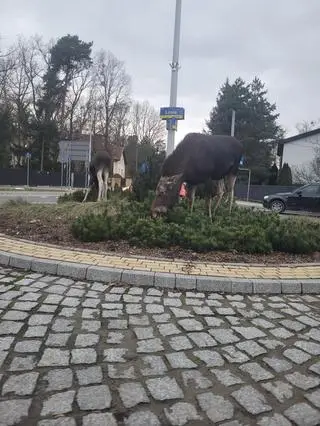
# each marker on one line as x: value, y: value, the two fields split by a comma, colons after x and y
x: 233, y: 122
x: 171, y: 115
x: 28, y: 156
x: 174, y: 72
x: 166, y: 113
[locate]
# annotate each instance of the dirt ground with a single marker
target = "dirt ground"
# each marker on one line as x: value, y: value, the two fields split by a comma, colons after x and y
x: 51, y: 224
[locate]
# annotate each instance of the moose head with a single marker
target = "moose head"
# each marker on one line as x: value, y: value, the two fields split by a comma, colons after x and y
x: 167, y: 192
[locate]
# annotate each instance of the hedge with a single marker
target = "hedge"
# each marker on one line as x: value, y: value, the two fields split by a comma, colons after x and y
x: 244, y: 231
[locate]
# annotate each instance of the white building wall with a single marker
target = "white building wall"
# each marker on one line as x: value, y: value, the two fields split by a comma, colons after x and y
x: 300, y: 152
x: 119, y: 167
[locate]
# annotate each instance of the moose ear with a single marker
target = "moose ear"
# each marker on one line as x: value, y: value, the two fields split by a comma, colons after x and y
x: 175, y: 178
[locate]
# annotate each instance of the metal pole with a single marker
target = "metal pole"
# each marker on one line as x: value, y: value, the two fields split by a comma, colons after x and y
x: 174, y: 72
x: 69, y: 178
x: 233, y: 122
x: 61, y: 179
x: 90, y: 146
x: 90, y: 153
x: 42, y: 156
x: 28, y: 170
x: 137, y: 147
x: 249, y: 183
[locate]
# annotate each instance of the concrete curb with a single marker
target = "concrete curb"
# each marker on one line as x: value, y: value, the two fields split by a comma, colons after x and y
x: 81, y: 271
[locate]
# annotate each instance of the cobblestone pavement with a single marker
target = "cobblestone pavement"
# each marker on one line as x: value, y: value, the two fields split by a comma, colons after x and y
x: 80, y: 353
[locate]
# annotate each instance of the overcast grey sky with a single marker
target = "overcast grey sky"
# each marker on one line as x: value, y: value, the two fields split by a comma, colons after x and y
x: 277, y: 40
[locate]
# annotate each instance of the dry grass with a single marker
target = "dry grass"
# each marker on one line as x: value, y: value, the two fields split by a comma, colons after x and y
x: 64, y: 211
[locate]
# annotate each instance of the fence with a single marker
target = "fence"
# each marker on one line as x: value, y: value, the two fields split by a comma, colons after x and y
x: 18, y: 177
x: 257, y: 192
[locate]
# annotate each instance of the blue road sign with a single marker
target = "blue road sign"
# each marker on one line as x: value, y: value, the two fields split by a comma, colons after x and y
x: 28, y: 154
x: 172, y: 112
x: 144, y: 168
x: 172, y: 124
x: 241, y: 161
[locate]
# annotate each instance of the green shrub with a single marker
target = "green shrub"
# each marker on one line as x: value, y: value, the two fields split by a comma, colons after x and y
x: 75, y: 196
x: 244, y: 231
x: 92, y: 228
x: 295, y: 236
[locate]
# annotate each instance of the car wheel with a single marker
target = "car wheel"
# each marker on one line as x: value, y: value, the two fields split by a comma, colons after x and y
x: 277, y: 206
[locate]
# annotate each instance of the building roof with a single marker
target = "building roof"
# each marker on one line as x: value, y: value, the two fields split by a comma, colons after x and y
x: 301, y: 136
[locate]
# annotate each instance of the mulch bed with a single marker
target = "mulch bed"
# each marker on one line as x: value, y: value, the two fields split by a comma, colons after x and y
x: 56, y: 230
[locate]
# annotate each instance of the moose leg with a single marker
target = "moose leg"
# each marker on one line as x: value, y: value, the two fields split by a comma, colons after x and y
x: 210, y: 208
x: 192, y: 197
x: 100, y: 184
x: 87, y: 192
x: 220, y: 192
x: 105, y: 181
x: 231, y: 182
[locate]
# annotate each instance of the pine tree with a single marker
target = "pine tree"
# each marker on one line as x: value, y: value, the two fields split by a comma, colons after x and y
x: 273, y: 178
x: 256, y: 122
x: 285, y: 175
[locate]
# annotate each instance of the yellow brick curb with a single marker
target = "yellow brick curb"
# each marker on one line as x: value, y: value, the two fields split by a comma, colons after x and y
x: 223, y: 270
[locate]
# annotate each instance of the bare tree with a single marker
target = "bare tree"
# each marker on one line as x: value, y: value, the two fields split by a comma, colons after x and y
x: 307, y: 126
x: 76, y: 102
x: 310, y: 172
x: 7, y: 64
x: 34, y: 60
x: 145, y: 122
x: 18, y: 95
x: 111, y: 95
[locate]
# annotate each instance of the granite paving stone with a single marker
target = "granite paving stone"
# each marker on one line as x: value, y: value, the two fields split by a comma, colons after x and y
x: 315, y: 368
x: 153, y: 365
x: 252, y: 400
x: 119, y: 371
x: 314, y: 397
x: 303, y: 414
x: 195, y: 379
x: 94, y: 397
x: 142, y: 418
x: 309, y: 347
x: 21, y: 384
x: 59, y: 403
x: 279, y: 389
x: 150, y: 345
x: 57, y: 339
x: 180, y: 360
x: 296, y: 355
x: 226, y: 377
x: 14, y: 411
x: 278, y: 364
x: 257, y: 372
x: 302, y: 381
x: 58, y: 379
x: 182, y: 413
x: 99, y: 419
x: 132, y: 393
x: 89, y: 375
x: 216, y: 407
x: 164, y: 388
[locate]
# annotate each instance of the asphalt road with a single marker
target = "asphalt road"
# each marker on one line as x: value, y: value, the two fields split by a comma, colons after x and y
x: 35, y: 197
x: 50, y: 197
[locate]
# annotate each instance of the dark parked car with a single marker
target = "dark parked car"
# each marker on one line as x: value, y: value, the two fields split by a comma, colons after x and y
x: 304, y: 198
